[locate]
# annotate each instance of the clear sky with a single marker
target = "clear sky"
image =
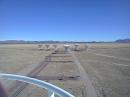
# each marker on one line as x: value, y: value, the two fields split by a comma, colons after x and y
x: 77, y: 20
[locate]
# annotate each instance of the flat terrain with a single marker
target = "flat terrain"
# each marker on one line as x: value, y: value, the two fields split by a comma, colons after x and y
x: 19, y: 59
x: 16, y: 58
x: 24, y: 59
x: 106, y: 64
x: 60, y: 71
x: 108, y: 67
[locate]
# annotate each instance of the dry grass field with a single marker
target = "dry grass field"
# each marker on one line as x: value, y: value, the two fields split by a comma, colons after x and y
x: 16, y: 58
x: 21, y: 59
x: 107, y: 65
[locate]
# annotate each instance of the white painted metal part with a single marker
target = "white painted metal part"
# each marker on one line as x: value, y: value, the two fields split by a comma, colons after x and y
x: 52, y: 89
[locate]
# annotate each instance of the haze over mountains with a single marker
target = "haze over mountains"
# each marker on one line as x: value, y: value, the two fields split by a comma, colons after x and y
x: 123, y: 40
x: 51, y: 41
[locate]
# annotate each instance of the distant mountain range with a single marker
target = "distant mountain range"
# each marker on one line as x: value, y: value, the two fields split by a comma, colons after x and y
x: 51, y: 41
x: 123, y: 40
x: 34, y: 42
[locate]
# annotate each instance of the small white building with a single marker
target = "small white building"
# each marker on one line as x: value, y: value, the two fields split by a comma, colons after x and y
x: 66, y: 47
x: 76, y: 47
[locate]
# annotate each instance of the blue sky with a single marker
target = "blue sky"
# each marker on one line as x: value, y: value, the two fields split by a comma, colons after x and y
x: 77, y: 20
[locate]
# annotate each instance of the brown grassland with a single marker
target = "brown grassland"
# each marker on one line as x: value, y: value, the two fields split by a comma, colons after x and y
x: 107, y: 65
